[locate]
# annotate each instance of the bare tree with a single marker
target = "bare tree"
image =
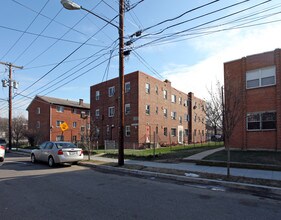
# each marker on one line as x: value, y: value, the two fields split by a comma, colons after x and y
x: 214, y: 109
x: 233, y: 112
x: 34, y: 137
x: 19, y: 128
x: 223, y: 111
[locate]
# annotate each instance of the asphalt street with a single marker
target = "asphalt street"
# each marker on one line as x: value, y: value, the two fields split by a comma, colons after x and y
x: 35, y: 191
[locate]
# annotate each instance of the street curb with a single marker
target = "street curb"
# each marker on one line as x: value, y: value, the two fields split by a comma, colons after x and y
x: 185, y: 179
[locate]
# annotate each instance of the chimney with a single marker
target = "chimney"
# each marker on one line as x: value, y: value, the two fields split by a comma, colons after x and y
x: 80, y: 101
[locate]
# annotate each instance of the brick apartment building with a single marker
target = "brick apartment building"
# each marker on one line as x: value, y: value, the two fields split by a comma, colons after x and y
x: 154, y: 112
x: 258, y: 77
x: 45, y: 114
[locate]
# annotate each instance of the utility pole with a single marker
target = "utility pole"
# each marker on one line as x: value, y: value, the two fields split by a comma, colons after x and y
x: 11, y: 85
x: 121, y: 85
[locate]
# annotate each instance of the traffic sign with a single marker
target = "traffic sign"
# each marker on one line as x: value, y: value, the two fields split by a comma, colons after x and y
x: 63, y: 126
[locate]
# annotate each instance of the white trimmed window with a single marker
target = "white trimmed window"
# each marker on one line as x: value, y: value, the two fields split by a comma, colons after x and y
x: 261, y: 77
x: 74, y: 124
x: 60, y: 108
x: 173, y: 98
x: 58, y: 123
x: 165, y: 112
x: 165, y: 94
x: 38, y: 124
x: 173, y: 132
x: 147, y: 88
x: 38, y: 111
x: 127, y: 87
x: 97, y: 113
x: 128, y: 131
x: 97, y: 95
x: 261, y: 121
x: 111, y: 91
x: 173, y: 115
x: 180, y: 100
x: 111, y: 111
x: 147, y: 109
x: 127, y: 109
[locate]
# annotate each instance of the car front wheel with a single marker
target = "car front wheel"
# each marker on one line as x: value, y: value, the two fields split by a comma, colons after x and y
x: 51, y: 162
x: 33, y: 159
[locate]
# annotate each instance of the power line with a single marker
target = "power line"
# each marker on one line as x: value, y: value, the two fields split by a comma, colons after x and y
x: 144, y: 62
x: 9, y: 50
x: 48, y: 37
x: 47, y: 17
x: 203, y: 24
x: 65, y: 58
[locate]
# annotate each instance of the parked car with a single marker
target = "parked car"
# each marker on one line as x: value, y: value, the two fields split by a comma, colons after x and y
x: 217, y: 137
x: 2, y: 153
x: 57, y: 152
x: 3, y: 142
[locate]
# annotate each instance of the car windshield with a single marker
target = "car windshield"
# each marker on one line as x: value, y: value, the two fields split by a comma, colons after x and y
x: 61, y: 145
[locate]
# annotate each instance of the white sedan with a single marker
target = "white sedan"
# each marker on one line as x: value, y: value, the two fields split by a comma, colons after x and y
x: 57, y: 152
x: 2, y: 153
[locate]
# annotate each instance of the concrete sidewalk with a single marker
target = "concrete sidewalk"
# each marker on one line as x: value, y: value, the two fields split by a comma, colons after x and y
x: 192, y: 167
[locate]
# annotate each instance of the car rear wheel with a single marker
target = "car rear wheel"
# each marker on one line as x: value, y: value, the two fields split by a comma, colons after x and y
x: 51, y: 162
x: 33, y: 159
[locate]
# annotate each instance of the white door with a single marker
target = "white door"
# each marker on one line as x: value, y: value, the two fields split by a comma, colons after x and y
x: 180, y: 134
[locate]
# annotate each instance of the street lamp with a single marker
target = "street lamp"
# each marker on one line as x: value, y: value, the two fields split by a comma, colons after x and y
x: 73, y: 6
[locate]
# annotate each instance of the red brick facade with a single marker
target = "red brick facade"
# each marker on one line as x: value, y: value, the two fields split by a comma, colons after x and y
x: 152, y: 117
x: 260, y: 126
x: 46, y: 113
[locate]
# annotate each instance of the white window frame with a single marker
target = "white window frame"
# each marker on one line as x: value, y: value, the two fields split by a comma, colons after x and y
x: 147, y: 88
x: 97, y: 113
x: 173, y: 98
x: 74, y: 124
x: 127, y: 109
x: 58, y: 123
x: 128, y: 131
x: 258, y: 75
x: 165, y: 94
x: 111, y: 91
x: 260, y: 121
x: 38, y: 110
x: 173, y: 115
x: 127, y: 87
x: 165, y: 112
x: 147, y: 109
x: 60, y: 108
x: 111, y: 111
x: 97, y: 95
x: 173, y: 132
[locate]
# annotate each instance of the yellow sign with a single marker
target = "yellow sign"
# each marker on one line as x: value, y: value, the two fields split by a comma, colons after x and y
x: 63, y: 126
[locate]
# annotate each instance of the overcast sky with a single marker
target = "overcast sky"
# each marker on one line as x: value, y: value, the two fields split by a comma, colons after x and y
x: 65, y: 52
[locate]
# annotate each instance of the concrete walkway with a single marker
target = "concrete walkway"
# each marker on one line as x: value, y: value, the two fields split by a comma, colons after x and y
x: 203, y: 154
x: 192, y: 167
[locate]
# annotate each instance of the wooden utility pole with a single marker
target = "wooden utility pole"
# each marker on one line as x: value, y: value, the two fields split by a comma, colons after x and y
x: 121, y: 85
x: 11, y: 85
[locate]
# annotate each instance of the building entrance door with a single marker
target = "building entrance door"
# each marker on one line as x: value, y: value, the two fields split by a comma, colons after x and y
x: 180, y: 134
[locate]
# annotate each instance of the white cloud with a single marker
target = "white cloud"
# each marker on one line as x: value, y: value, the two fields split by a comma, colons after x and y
x: 221, y: 48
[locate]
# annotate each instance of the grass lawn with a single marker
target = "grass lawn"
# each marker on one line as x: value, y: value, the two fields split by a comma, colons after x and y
x: 164, y: 153
x: 259, y: 157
